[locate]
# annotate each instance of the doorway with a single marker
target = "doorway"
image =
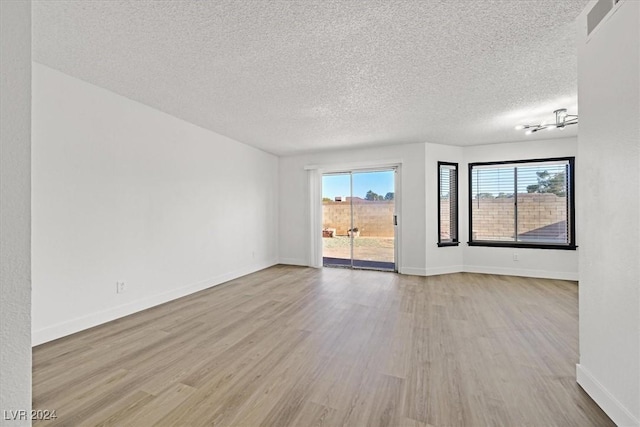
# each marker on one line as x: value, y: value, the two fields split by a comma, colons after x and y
x: 359, y: 219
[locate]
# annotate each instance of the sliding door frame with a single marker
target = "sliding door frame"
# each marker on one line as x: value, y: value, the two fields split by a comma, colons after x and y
x: 314, y: 204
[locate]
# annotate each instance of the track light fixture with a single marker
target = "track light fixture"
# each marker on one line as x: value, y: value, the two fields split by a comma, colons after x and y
x: 562, y: 120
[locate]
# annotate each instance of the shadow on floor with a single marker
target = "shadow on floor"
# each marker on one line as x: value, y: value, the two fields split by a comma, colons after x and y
x: 358, y: 263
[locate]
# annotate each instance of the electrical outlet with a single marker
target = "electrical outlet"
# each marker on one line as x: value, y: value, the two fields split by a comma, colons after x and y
x: 515, y: 257
x: 120, y: 287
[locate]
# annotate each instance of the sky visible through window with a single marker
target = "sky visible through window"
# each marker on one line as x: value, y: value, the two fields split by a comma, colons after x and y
x: 339, y: 185
x: 494, y: 181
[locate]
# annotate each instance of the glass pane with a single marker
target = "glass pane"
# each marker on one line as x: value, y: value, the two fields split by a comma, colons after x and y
x: 542, y: 203
x: 492, y: 204
x: 373, y: 229
x: 336, y: 219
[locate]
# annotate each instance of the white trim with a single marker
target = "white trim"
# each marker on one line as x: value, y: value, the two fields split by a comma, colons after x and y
x: 398, y: 213
x: 78, y: 324
x: 293, y: 261
x: 315, y: 218
x: 346, y: 167
x: 538, y: 274
x: 609, y: 404
x: 412, y: 271
x: 449, y: 269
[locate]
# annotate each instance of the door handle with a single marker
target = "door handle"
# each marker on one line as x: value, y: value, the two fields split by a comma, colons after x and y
x: 395, y: 220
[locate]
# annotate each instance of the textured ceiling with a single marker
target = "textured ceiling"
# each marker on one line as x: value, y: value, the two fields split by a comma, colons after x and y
x: 295, y: 76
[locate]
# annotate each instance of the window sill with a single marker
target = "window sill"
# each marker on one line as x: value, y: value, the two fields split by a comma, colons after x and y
x: 444, y: 245
x: 524, y: 245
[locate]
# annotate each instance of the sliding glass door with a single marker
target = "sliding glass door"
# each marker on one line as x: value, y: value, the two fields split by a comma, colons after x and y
x: 359, y: 219
x: 336, y: 220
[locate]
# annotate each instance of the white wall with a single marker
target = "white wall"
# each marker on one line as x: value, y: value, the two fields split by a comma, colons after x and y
x: 294, y: 189
x: 123, y: 192
x: 546, y: 263
x: 419, y: 235
x: 609, y: 153
x: 441, y: 260
x: 15, y: 227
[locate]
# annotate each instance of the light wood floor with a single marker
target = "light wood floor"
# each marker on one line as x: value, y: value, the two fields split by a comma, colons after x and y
x: 292, y: 346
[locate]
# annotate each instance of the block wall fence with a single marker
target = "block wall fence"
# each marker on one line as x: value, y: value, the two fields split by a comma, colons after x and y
x: 372, y: 218
x: 492, y: 218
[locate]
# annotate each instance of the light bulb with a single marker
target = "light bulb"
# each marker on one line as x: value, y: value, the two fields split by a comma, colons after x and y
x: 551, y: 127
x: 529, y: 132
x: 520, y: 127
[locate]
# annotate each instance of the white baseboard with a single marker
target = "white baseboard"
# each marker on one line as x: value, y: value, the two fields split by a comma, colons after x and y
x: 444, y: 270
x: 294, y: 261
x: 412, y: 271
x: 609, y: 404
x: 539, y: 274
x: 78, y: 324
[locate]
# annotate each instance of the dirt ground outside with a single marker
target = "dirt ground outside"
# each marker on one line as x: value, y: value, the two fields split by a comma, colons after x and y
x: 365, y: 248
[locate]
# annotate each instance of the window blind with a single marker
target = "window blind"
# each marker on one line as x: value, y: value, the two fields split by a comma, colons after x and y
x: 447, y: 203
x: 523, y: 202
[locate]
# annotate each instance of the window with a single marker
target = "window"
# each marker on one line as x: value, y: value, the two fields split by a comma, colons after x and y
x: 447, y: 204
x: 523, y: 203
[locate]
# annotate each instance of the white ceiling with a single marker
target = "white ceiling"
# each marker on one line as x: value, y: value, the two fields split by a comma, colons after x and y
x: 295, y: 76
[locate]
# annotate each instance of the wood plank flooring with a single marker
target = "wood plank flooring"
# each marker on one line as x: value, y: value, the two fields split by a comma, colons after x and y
x: 293, y: 346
